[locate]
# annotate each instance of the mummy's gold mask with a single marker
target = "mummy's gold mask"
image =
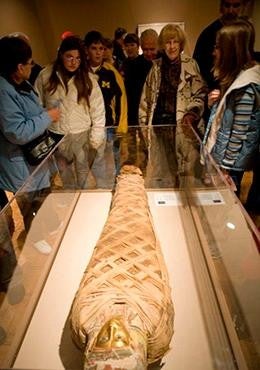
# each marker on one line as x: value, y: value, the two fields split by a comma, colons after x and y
x: 112, y: 335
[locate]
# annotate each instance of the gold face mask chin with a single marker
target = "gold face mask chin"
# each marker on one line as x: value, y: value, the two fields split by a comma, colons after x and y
x: 112, y: 335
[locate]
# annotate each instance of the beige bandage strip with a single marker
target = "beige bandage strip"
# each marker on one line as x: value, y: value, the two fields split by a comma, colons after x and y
x: 127, y: 267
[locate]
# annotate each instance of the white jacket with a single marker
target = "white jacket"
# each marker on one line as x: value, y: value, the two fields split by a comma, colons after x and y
x: 75, y: 117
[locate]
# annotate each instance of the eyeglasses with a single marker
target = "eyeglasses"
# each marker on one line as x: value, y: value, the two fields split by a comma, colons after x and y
x: 70, y: 58
x: 228, y: 5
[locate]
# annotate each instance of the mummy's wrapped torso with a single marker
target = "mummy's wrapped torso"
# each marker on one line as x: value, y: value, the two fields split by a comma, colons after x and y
x: 126, y: 280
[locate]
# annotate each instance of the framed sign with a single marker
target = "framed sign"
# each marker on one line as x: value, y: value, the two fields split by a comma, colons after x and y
x: 156, y: 26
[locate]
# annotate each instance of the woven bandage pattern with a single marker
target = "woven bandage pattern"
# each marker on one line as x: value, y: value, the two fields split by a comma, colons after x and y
x: 127, y: 267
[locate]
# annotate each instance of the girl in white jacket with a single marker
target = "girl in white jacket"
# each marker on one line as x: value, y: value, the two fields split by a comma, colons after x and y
x: 68, y: 84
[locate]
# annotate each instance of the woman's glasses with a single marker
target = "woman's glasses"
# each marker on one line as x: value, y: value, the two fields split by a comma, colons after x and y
x: 70, y: 58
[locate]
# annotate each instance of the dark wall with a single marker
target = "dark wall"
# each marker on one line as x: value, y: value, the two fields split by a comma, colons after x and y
x: 44, y: 20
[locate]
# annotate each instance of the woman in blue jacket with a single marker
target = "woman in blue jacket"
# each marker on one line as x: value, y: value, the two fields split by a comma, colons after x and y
x: 22, y: 119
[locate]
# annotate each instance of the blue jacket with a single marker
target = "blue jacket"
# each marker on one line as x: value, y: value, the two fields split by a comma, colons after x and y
x: 21, y: 120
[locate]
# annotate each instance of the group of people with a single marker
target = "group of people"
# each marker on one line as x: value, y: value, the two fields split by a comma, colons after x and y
x: 96, y: 83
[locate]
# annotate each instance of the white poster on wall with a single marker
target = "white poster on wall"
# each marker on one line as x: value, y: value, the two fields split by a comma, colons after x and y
x: 156, y: 26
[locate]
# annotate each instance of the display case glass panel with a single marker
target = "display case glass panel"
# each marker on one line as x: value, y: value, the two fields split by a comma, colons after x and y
x: 222, y: 241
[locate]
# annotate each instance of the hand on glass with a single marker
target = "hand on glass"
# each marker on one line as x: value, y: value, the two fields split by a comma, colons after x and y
x: 188, y: 121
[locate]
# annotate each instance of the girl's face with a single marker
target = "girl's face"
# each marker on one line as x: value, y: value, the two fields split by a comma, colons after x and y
x: 216, y: 53
x: 172, y: 49
x: 71, y: 60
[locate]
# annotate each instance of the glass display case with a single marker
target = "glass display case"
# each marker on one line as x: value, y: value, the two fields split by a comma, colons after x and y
x: 210, y: 244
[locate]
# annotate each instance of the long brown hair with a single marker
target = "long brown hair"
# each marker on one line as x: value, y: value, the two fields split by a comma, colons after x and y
x: 81, y: 77
x: 235, y: 44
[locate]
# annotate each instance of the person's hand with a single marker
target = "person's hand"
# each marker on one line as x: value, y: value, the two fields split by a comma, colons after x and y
x: 54, y: 113
x: 189, y: 119
x: 213, y: 97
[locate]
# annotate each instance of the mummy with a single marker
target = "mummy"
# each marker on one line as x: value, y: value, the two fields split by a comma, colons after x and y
x: 122, y: 314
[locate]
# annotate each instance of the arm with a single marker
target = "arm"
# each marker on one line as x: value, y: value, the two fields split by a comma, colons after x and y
x: 40, y: 88
x: 149, y: 95
x: 242, y: 111
x: 97, y: 115
x: 198, y: 93
x: 122, y: 121
x: 142, y: 112
x: 17, y: 125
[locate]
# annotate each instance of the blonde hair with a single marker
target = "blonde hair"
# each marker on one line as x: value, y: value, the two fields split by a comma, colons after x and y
x: 172, y: 31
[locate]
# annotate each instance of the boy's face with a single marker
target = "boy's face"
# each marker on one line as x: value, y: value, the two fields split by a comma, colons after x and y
x: 108, y: 53
x: 95, y: 53
x: 131, y: 49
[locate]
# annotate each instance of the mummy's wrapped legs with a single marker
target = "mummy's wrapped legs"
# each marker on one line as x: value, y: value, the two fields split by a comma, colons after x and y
x: 122, y: 314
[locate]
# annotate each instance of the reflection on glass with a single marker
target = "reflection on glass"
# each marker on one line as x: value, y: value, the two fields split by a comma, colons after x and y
x: 28, y: 244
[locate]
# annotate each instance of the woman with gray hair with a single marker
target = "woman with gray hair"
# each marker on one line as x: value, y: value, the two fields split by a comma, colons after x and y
x: 174, y: 94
